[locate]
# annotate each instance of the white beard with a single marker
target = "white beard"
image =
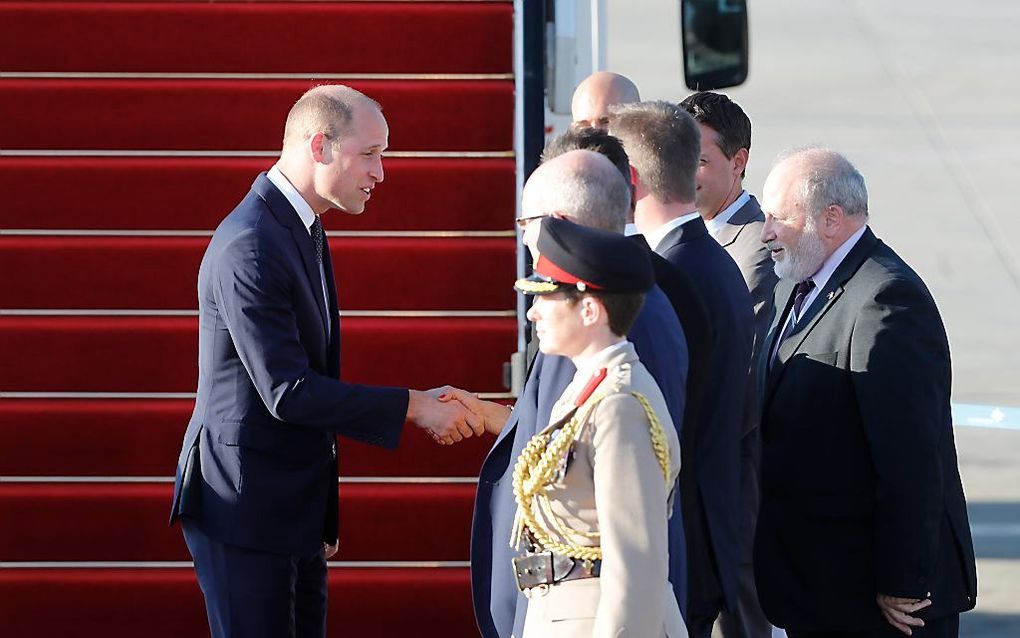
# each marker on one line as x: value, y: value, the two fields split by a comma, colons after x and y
x: 804, y: 258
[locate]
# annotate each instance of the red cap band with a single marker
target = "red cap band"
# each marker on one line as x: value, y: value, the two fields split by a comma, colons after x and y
x: 547, y: 268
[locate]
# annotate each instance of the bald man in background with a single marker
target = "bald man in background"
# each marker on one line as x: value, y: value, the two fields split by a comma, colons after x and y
x: 587, y: 189
x: 596, y: 94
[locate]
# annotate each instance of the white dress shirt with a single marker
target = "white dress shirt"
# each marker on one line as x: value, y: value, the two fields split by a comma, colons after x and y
x: 717, y: 223
x: 307, y: 216
x: 821, y: 278
x: 655, y: 237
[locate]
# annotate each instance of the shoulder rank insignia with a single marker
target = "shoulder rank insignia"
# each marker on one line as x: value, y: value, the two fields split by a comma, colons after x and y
x: 589, y: 389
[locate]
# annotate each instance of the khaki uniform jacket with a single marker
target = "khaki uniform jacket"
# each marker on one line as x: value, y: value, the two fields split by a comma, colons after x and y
x: 614, y: 485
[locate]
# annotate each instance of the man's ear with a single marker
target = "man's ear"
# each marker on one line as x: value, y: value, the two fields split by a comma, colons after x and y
x: 318, y: 146
x: 740, y: 161
x: 633, y: 177
x: 834, y: 218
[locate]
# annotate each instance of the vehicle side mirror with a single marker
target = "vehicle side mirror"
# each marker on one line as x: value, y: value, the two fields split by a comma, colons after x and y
x: 714, y: 34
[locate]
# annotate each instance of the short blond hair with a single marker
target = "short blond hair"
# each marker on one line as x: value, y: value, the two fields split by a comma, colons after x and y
x: 327, y: 108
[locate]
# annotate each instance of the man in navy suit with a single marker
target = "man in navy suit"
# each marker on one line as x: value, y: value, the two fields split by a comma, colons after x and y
x: 586, y: 188
x: 863, y: 529
x: 256, y: 482
x: 664, y: 146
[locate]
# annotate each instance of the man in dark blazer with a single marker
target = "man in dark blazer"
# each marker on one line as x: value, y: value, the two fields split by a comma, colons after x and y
x: 733, y: 218
x: 256, y: 482
x: 663, y: 143
x: 584, y: 187
x: 863, y: 527
x: 678, y: 286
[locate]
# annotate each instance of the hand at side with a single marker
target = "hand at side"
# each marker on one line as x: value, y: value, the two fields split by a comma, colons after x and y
x: 897, y: 611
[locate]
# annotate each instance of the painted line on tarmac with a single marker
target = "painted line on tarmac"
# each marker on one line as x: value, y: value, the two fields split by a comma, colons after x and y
x: 986, y: 416
x: 995, y: 529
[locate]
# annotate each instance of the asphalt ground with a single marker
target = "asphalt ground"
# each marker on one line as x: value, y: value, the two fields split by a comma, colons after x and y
x: 924, y: 97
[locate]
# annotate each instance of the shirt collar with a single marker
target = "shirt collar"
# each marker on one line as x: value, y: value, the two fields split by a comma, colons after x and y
x: 302, y: 208
x: 717, y: 223
x: 821, y: 278
x: 631, y: 229
x: 656, y: 236
x: 598, y: 360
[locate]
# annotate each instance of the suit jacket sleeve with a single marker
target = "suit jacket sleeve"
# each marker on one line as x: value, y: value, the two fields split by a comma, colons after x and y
x: 253, y: 290
x: 900, y: 368
x: 630, y: 496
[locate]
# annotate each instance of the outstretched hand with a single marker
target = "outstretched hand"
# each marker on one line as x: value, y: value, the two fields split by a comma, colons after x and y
x: 494, y: 415
x: 446, y: 422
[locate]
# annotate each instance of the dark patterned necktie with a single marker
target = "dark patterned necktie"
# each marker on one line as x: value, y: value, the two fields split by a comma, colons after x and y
x: 804, y: 289
x: 316, y: 231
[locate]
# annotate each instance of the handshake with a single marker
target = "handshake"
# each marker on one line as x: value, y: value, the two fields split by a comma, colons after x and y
x: 450, y: 414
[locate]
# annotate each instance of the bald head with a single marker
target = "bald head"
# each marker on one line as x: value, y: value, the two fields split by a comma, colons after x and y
x: 582, y: 185
x: 325, y: 109
x: 595, y: 95
x: 819, y: 178
x: 814, y: 200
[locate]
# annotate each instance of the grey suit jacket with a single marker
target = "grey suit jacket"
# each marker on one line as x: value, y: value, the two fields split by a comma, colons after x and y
x: 741, y: 237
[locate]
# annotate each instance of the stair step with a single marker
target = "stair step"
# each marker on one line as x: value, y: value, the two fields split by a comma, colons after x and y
x: 121, y: 114
x: 128, y: 521
x: 160, y: 193
x: 167, y: 603
x: 264, y: 37
x: 142, y: 437
x: 160, y: 354
x: 160, y: 272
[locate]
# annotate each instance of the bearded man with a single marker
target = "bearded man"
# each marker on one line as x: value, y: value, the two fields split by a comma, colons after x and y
x: 863, y: 526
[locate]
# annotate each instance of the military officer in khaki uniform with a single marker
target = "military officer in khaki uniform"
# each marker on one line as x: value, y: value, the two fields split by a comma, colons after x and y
x: 593, y: 488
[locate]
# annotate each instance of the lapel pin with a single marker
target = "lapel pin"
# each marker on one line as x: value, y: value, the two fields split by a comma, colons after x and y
x: 832, y: 293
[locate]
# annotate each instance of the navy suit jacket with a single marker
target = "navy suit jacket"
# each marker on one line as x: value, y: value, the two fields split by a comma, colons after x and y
x: 499, y: 606
x: 711, y: 471
x: 861, y: 491
x: 258, y: 466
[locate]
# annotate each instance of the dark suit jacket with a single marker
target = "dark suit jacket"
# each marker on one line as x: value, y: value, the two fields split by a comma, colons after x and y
x: 861, y: 490
x: 683, y: 294
x: 741, y: 238
x: 711, y: 473
x: 499, y: 606
x: 258, y: 464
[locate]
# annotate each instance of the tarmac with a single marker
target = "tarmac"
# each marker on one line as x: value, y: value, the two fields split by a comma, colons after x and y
x: 924, y: 97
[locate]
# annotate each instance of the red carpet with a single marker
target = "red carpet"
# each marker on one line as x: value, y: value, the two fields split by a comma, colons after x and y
x: 265, y: 37
x: 160, y: 354
x: 88, y: 522
x: 88, y: 172
x: 140, y: 437
x: 435, y: 115
x: 166, y: 603
x: 144, y: 272
x: 158, y: 193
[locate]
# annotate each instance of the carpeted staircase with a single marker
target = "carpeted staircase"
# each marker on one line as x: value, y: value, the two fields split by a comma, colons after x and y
x: 129, y: 130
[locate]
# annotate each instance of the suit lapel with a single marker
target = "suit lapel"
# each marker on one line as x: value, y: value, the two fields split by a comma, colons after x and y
x: 737, y: 224
x: 826, y: 299
x: 287, y: 216
x: 686, y: 232
x: 333, y: 351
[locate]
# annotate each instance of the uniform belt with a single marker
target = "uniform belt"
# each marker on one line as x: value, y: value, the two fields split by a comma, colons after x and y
x: 549, y: 568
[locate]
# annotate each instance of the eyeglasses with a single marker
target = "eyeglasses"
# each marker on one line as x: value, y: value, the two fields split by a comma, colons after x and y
x: 524, y: 221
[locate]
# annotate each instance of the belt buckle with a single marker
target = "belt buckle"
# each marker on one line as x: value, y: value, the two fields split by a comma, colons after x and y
x: 533, y: 570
